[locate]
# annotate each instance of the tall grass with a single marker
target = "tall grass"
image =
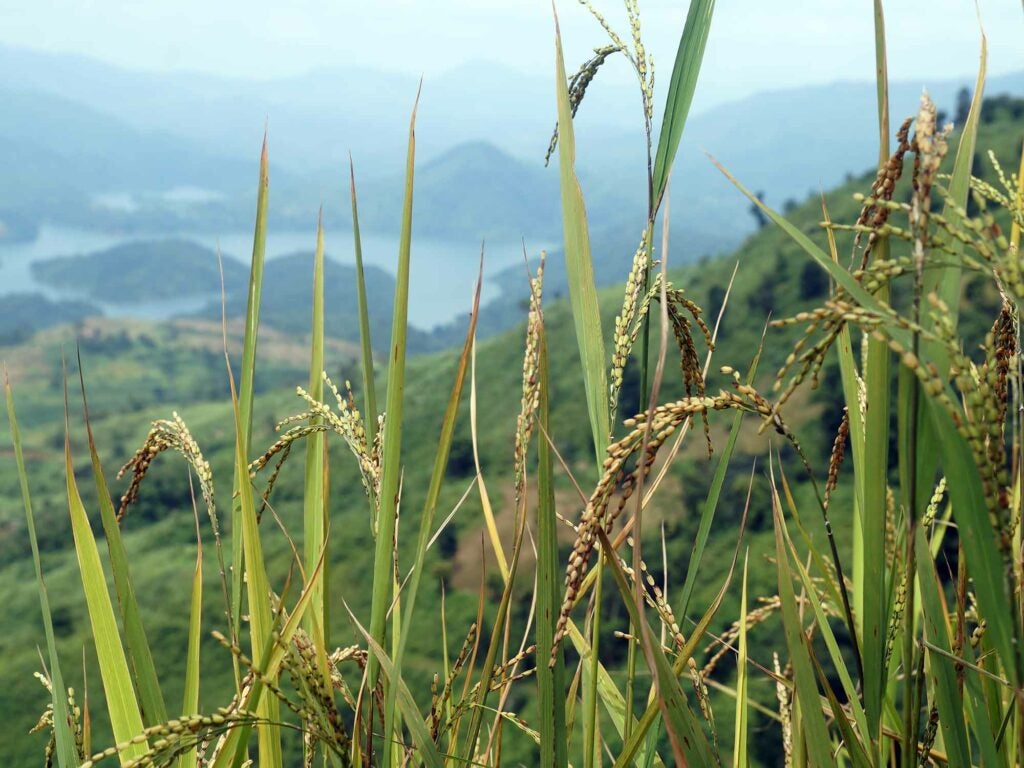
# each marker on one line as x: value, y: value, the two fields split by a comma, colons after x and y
x: 889, y: 655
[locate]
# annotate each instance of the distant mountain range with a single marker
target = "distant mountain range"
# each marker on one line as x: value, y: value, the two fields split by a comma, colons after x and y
x: 474, y: 189
x: 89, y: 144
x: 141, y: 270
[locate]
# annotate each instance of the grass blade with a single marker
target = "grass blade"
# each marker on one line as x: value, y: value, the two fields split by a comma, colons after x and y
x: 383, y: 573
x: 190, y: 697
x: 946, y: 691
x: 851, y: 394
x: 245, y: 392
x: 252, y: 308
x: 125, y: 717
x: 946, y: 280
x: 65, y: 742
x: 260, y: 612
x: 945, y: 277
x: 690, y: 745
x: 485, y: 499
x: 421, y: 736
x: 151, y: 698
x: 985, y: 565
x: 815, y: 732
x: 685, y: 71
x: 498, y: 632
x: 550, y: 678
x: 827, y: 635
x: 977, y: 709
x: 854, y: 748
x: 365, y: 339
x: 739, y: 749
x: 232, y: 752
x: 579, y: 267
x: 870, y: 580
x: 707, y: 514
x: 637, y: 736
x: 314, y: 505
x: 433, y: 494
x: 612, y: 699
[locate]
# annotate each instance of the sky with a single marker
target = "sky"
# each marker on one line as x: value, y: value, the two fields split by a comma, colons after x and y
x: 754, y: 45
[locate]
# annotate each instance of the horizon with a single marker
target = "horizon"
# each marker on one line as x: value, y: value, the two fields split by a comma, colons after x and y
x: 700, y: 106
x: 162, y: 38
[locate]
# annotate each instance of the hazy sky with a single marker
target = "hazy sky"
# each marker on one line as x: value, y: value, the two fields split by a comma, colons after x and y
x: 754, y: 45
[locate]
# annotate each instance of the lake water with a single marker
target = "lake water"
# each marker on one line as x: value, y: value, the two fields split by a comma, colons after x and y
x: 441, y: 279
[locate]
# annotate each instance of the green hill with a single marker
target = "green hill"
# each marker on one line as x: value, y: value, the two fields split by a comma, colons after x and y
x: 25, y: 313
x: 136, y: 374
x: 472, y: 190
x: 138, y: 271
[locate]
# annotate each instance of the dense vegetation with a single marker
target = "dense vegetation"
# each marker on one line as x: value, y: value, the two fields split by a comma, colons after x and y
x: 142, y: 270
x: 25, y: 313
x: 833, y: 601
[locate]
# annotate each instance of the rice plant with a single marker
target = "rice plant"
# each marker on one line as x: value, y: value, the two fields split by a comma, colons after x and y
x: 898, y: 603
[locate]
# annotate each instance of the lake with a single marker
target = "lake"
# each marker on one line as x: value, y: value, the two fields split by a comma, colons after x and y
x: 441, y: 278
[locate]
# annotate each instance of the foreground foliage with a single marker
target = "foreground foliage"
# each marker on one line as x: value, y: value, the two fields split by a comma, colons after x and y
x: 900, y: 646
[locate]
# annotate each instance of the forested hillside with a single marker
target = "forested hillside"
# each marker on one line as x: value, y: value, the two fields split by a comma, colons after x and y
x: 136, y: 373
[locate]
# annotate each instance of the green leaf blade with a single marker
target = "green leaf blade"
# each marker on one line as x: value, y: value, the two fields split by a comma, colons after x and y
x: 579, y: 267
x: 190, y: 696
x: 314, y: 506
x: 151, y: 699
x: 815, y: 732
x: 550, y: 678
x: 245, y: 391
x: 122, y: 706
x: 946, y: 691
x: 685, y: 72
x: 383, y: 573
x: 65, y: 740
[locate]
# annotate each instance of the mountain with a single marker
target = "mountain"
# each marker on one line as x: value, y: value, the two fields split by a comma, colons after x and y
x: 140, y: 371
x: 112, y: 153
x: 757, y: 140
x: 473, y: 190
x: 142, y: 134
x: 285, y: 302
x: 315, y: 118
x: 65, y: 162
x: 788, y: 144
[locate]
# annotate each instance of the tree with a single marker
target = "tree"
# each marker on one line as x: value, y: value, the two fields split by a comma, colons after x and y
x: 716, y: 298
x: 757, y: 213
x: 963, y: 106
x: 762, y: 298
x: 813, y: 281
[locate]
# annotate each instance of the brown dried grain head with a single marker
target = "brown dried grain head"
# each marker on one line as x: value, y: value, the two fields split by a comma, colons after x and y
x: 344, y: 420
x: 726, y: 643
x: 836, y: 458
x: 169, y: 740
x: 624, y: 334
x: 530, y: 397
x: 168, y: 434
x: 578, y: 84
x: 882, y: 189
x: 619, y: 476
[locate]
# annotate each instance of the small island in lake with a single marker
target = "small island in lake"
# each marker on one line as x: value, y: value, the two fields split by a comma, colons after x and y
x: 139, y: 271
